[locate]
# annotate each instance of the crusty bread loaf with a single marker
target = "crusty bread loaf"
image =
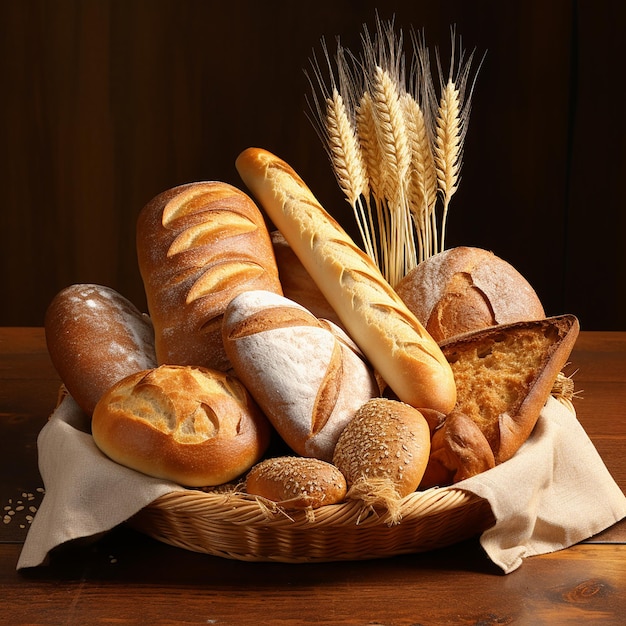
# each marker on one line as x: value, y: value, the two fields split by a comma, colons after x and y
x: 504, y: 375
x: 383, y: 452
x: 393, y: 340
x: 191, y: 425
x: 464, y: 289
x: 307, y: 376
x: 198, y: 246
x: 96, y: 337
x: 297, y: 283
x: 297, y: 482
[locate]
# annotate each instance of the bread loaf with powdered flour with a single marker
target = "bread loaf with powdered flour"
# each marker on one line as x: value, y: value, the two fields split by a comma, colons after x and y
x: 198, y: 246
x: 306, y: 374
x: 372, y: 313
x: 95, y: 337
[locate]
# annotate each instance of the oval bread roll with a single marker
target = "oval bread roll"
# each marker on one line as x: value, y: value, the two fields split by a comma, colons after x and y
x: 198, y: 246
x: 191, y: 425
x: 96, y: 337
x: 387, y: 441
x: 297, y: 482
x: 374, y: 316
x: 464, y: 289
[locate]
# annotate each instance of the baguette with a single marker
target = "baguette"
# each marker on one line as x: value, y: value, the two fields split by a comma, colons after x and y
x: 199, y: 245
x: 389, y: 335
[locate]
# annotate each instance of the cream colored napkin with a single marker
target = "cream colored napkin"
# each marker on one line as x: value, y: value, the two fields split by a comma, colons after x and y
x: 86, y: 493
x: 555, y: 492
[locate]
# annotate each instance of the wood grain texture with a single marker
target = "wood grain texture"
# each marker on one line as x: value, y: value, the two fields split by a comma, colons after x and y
x: 125, y: 577
x: 108, y: 103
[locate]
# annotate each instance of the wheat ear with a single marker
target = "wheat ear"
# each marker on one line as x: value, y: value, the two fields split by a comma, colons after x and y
x: 349, y: 165
x: 396, y: 163
x: 422, y: 194
x: 448, y: 147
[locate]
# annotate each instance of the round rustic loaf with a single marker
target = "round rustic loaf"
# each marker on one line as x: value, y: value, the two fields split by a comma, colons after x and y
x: 96, y: 337
x: 191, y: 425
x: 464, y: 289
x: 297, y: 482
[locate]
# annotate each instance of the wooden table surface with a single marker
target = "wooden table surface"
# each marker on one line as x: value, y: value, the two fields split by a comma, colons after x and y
x: 128, y: 578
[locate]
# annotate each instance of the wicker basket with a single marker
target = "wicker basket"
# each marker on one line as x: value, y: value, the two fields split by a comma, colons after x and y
x: 236, y: 526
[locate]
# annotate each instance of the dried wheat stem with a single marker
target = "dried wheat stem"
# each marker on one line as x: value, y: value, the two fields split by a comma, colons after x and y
x: 448, y: 147
x: 348, y: 164
x: 422, y: 194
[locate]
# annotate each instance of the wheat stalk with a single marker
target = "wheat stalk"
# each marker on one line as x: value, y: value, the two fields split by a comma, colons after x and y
x: 396, y: 149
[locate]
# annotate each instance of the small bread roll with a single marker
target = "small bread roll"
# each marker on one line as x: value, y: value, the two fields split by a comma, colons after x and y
x: 297, y: 482
x: 383, y: 453
x: 191, y: 425
x: 465, y: 289
x: 95, y: 338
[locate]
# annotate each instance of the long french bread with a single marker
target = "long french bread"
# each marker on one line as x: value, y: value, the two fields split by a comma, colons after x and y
x: 390, y: 336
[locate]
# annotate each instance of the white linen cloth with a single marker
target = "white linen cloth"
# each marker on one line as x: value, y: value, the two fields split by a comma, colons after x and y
x: 555, y: 492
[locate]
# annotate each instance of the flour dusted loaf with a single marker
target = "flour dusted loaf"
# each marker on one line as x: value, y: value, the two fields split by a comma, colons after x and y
x: 504, y: 376
x: 199, y: 245
x: 372, y: 313
x: 95, y: 337
x: 306, y: 374
x: 297, y: 482
x: 464, y: 289
x: 194, y: 426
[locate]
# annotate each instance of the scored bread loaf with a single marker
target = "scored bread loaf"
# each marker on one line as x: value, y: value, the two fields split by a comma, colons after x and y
x: 391, y: 337
x: 95, y: 337
x: 306, y: 374
x: 198, y: 246
x: 464, y: 289
x: 191, y: 425
x: 297, y: 482
x: 504, y: 376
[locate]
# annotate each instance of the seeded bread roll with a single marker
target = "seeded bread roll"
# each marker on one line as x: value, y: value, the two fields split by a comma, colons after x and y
x: 383, y: 453
x: 504, y: 376
x: 190, y: 425
x: 464, y: 289
x: 198, y: 246
x: 306, y: 374
x: 297, y: 482
x: 96, y: 337
x: 390, y: 336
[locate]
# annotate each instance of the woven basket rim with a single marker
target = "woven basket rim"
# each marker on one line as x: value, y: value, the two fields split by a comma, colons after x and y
x: 240, y: 508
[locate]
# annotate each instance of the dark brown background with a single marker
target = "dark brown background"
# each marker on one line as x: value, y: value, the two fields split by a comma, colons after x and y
x: 106, y: 103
